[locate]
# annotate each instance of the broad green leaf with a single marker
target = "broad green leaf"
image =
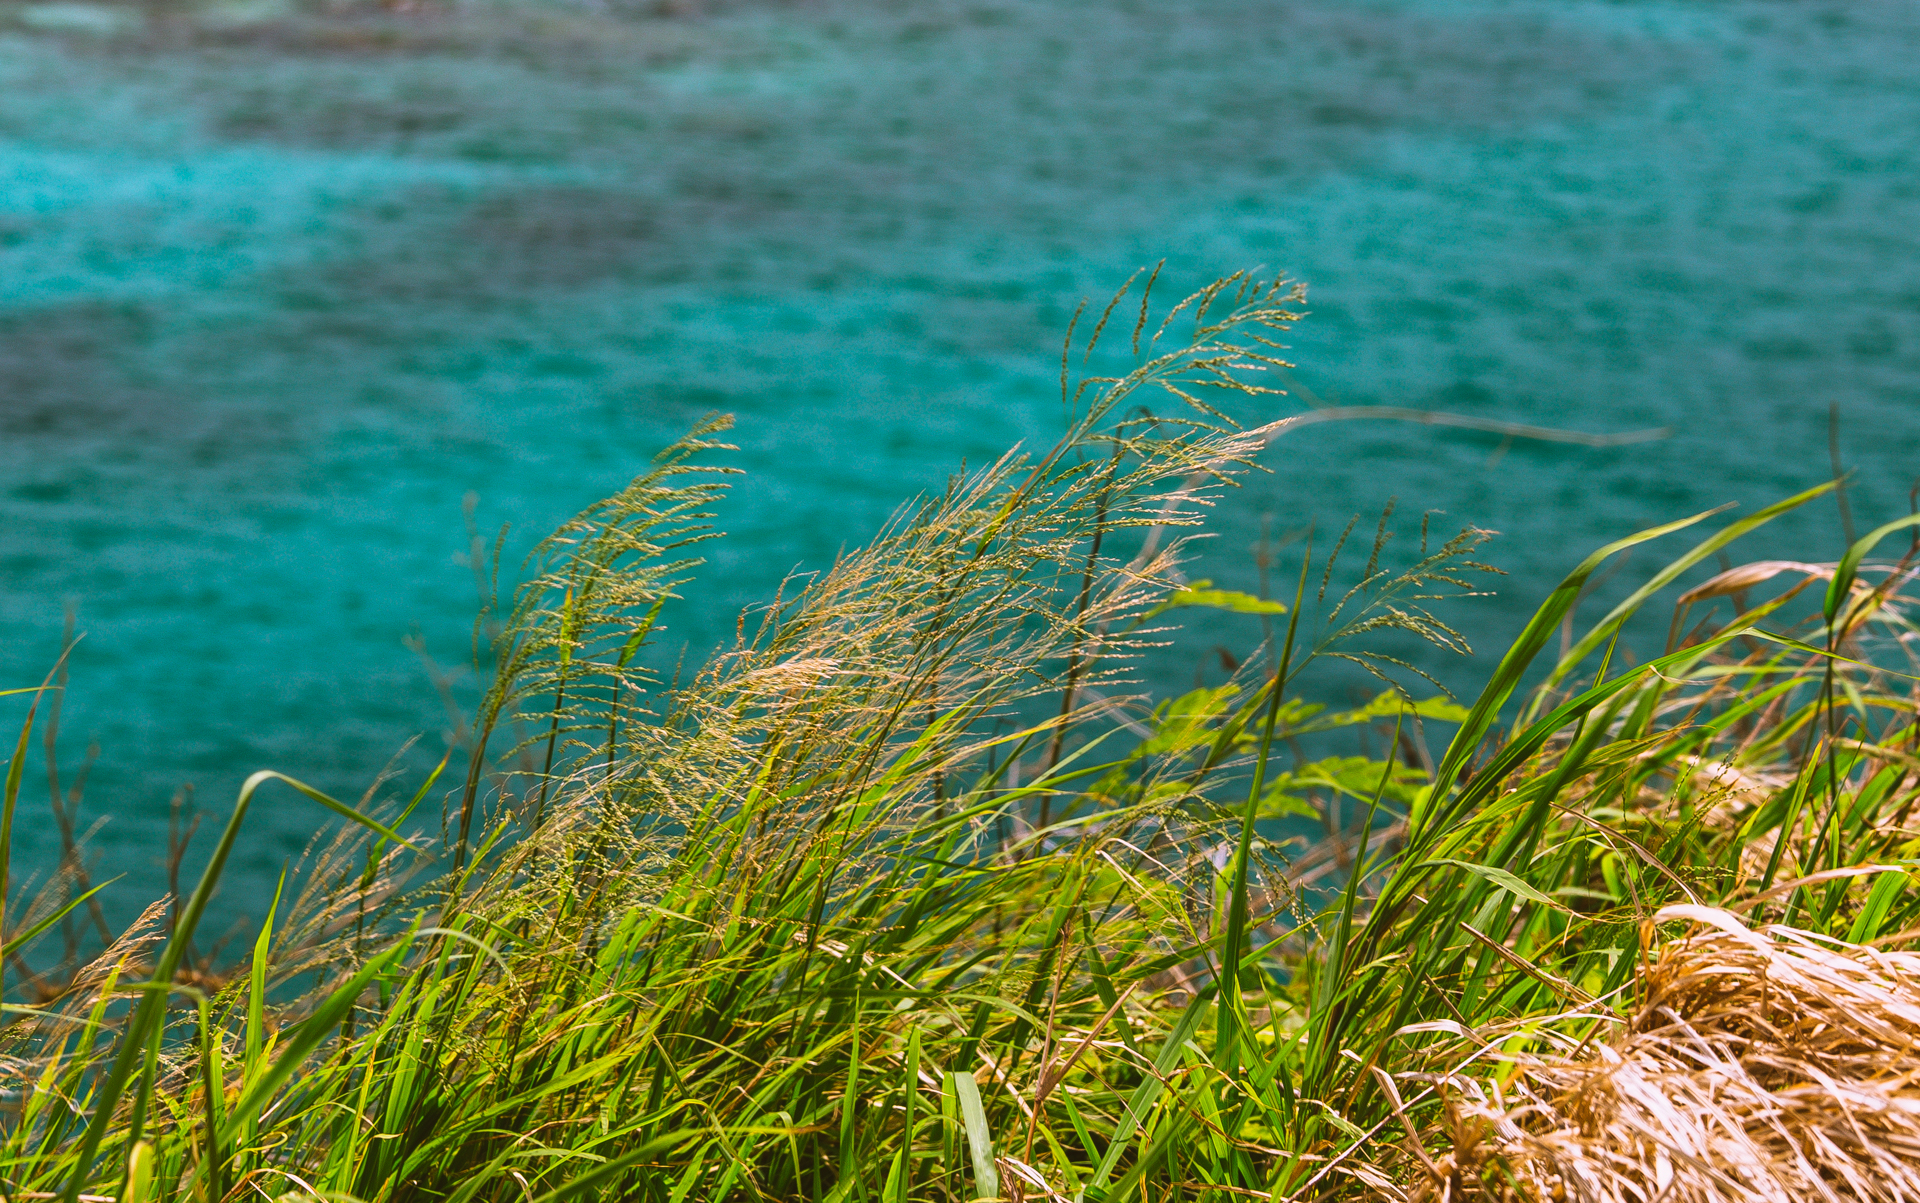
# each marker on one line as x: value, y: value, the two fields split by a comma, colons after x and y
x: 1505, y: 880
x: 1231, y: 600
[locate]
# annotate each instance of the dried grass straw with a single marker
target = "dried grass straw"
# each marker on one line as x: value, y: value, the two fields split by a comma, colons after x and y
x: 1763, y: 1063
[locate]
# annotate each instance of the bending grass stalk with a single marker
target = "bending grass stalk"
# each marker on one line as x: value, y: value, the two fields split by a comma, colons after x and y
x: 1231, y: 1007
x: 1443, y: 813
x: 986, y: 1178
x: 1839, y: 589
x: 1514, y: 664
x: 144, y: 1028
x: 10, y: 795
x: 793, y: 910
x: 1606, y: 627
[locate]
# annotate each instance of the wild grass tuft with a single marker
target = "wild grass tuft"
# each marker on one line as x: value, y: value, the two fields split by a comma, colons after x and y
x: 909, y: 895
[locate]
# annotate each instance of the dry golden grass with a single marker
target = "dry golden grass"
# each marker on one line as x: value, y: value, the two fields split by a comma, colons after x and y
x: 1763, y: 1063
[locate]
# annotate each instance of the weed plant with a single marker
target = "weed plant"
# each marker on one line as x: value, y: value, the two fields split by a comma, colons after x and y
x: 907, y: 896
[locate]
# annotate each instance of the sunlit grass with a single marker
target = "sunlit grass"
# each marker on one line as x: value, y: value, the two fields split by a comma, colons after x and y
x: 907, y: 896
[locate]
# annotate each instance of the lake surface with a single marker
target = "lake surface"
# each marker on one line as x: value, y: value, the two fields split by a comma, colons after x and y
x: 278, y: 289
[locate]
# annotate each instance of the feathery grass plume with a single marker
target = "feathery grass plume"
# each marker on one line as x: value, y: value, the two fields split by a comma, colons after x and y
x: 792, y: 862
x: 564, y: 656
x: 906, y: 896
x: 787, y: 808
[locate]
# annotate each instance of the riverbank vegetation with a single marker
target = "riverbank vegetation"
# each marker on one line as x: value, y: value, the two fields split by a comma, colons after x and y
x: 908, y: 896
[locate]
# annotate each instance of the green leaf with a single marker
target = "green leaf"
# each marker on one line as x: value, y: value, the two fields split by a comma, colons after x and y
x: 1233, y: 601
x: 1389, y: 704
x: 1880, y: 900
x: 139, y: 1171
x: 1349, y: 776
x: 1276, y: 805
x: 1441, y: 710
x: 610, y: 1170
x: 314, y: 1029
x: 1604, y: 630
x: 1842, y: 581
x: 986, y: 1179
x: 1188, y: 721
x: 33, y: 933
x: 1505, y: 880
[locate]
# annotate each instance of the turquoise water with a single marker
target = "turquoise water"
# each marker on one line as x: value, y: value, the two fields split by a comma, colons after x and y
x: 277, y: 292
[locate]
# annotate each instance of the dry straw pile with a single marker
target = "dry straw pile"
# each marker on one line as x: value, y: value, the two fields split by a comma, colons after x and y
x: 1764, y: 1063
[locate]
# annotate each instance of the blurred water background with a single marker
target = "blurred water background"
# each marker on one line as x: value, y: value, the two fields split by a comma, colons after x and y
x: 280, y: 286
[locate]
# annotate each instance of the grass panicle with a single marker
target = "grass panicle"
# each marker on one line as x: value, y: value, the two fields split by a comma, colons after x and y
x: 911, y: 894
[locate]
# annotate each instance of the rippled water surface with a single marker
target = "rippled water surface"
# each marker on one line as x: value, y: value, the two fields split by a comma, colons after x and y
x: 278, y: 289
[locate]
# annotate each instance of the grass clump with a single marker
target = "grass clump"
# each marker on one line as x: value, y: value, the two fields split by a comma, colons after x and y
x: 1759, y: 1063
x: 905, y: 897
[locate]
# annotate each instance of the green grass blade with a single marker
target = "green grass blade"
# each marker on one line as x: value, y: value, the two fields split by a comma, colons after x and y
x: 986, y: 1178
x: 52, y: 917
x: 1605, y: 628
x: 144, y: 1026
x: 315, y: 1028
x: 1513, y: 665
x: 1849, y: 567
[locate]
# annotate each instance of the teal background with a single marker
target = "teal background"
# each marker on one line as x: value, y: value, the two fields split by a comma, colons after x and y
x: 278, y: 289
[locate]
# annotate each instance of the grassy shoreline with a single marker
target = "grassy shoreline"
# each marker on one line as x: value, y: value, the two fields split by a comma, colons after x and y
x: 904, y: 896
